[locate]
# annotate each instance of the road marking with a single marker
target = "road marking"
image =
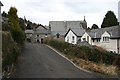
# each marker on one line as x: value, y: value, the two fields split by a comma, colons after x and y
x: 68, y: 59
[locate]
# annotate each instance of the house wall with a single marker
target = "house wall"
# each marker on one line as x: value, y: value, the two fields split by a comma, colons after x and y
x: 85, y: 35
x: 28, y: 36
x: 69, y: 36
x: 119, y: 46
x: 110, y: 45
x: 38, y: 37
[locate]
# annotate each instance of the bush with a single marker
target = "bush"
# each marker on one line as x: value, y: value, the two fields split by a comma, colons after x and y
x: 10, y: 51
x: 84, y: 52
x: 18, y: 36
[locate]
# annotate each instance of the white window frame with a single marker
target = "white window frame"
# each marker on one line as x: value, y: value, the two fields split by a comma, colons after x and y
x: 106, y: 38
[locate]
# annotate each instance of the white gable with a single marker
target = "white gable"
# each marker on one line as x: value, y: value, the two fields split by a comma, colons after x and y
x: 105, y: 34
x: 71, y: 37
x: 86, y: 37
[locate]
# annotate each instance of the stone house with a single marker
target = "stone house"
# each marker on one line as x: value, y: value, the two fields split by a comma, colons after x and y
x: 107, y: 38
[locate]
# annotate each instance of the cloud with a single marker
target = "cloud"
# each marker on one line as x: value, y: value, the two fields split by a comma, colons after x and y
x: 43, y: 11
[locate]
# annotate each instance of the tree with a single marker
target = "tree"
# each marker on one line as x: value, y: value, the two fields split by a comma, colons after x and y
x: 5, y: 27
x: 15, y: 26
x: 94, y: 26
x: 4, y: 14
x: 13, y: 19
x: 109, y: 20
x: 29, y: 25
x: 22, y: 23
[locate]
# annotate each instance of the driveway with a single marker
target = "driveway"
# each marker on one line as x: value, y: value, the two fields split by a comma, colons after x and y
x: 39, y: 61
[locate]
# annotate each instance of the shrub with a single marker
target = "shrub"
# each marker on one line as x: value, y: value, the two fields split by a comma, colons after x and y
x: 84, y: 52
x: 10, y: 50
x: 18, y: 36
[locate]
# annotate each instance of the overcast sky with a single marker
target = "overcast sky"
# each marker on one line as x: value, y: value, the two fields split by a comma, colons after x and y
x: 43, y: 11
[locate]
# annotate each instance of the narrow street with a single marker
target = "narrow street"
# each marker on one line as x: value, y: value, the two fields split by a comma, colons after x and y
x: 39, y: 61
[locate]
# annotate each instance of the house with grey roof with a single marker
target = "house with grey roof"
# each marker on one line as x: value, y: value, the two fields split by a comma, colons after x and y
x: 74, y: 35
x: 40, y: 34
x: 107, y: 38
x: 37, y: 34
x: 61, y: 27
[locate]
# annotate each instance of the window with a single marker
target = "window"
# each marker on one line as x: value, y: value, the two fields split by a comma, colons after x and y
x: 84, y: 39
x: 67, y: 39
x: 98, y: 40
x: 38, y: 35
x: 45, y: 35
x: 73, y: 38
x: 106, y: 39
x: 87, y: 38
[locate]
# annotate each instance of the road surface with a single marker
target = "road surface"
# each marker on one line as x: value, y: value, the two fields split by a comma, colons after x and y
x: 39, y: 61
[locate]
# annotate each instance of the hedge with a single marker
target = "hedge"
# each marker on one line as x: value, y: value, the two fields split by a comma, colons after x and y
x: 84, y: 52
x: 10, y: 50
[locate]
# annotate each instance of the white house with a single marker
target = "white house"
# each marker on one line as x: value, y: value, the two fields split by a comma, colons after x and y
x: 74, y: 35
x: 107, y: 38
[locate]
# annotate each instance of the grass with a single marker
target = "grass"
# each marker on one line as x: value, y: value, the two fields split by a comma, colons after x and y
x: 91, y: 66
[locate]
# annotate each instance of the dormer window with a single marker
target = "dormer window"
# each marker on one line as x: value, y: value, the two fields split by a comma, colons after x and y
x: 106, y: 39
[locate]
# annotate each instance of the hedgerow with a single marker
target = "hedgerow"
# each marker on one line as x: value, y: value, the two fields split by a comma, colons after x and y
x: 84, y: 52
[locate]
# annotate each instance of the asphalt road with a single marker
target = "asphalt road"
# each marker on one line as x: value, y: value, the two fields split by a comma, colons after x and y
x: 39, y: 61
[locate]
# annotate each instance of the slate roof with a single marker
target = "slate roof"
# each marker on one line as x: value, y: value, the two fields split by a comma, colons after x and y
x: 42, y: 31
x: 77, y: 31
x: 114, y: 31
x: 62, y: 33
x: 29, y: 31
x: 92, y: 35
x: 65, y: 25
